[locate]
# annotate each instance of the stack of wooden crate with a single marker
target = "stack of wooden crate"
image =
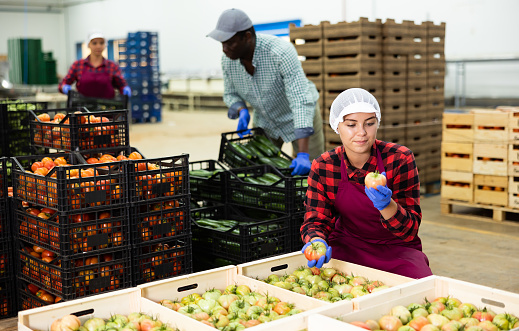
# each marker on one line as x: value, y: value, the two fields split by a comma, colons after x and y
x: 480, y: 157
x: 401, y: 64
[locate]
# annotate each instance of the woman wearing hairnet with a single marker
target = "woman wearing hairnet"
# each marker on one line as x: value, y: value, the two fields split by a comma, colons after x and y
x: 374, y: 228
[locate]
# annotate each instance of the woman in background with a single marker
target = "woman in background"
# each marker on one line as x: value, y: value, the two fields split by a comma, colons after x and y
x: 95, y: 76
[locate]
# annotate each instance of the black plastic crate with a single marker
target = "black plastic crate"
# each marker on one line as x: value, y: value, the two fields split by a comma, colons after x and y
x: 286, y: 195
x: 203, y: 260
x: 15, y: 133
x: 30, y: 296
x: 233, y: 158
x: 157, y: 178
x: 257, y: 235
x: 71, y: 188
x: 170, y: 258
x: 295, y: 230
x: 72, y: 278
x: 157, y: 221
x: 208, y: 181
x: 73, y: 233
x: 8, y: 306
x: 75, y: 99
x: 78, y: 129
x: 4, y: 206
x: 7, y: 265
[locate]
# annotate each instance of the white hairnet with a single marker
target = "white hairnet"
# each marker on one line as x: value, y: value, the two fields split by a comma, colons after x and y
x: 353, y: 100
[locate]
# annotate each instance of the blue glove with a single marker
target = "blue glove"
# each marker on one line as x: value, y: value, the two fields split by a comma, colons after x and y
x: 243, y: 122
x: 381, y: 197
x: 127, y: 91
x: 66, y: 88
x: 301, y: 164
x: 323, y: 259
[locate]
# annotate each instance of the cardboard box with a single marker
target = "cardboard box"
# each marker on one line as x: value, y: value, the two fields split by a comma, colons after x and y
x: 288, y: 263
x: 432, y: 287
x: 178, y: 287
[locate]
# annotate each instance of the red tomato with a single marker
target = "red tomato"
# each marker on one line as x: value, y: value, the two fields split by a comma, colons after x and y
x: 315, y: 250
x: 373, y: 179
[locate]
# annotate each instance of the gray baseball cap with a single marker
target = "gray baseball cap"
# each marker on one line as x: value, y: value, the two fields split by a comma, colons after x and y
x: 231, y: 21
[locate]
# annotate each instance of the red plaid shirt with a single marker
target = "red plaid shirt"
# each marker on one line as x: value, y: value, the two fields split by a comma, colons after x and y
x: 323, y: 182
x: 76, y: 69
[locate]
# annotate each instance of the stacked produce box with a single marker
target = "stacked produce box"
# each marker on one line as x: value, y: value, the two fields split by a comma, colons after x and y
x: 8, y: 306
x: 401, y: 64
x: 308, y: 41
x: 140, y: 65
x: 479, y: 157
x: 251, y: 206
x: 94, y: 216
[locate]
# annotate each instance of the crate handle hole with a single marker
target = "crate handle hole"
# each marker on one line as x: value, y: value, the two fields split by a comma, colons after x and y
x: 493, y: 303
x: 83, y: 312
x: 279, y: 267
x: 187, y: 287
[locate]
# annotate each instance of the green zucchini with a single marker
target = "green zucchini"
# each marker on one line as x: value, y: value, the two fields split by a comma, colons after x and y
x: 281, y: 162
x: 240, y: 151
x: 201, y: 173
x: 272, y: 177
x: 263, y: 148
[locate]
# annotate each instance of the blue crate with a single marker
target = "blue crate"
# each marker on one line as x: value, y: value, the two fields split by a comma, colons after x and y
x: 138, y: 106
x: 147, y: 116
x: 146, y: 94
x: 140, y: 35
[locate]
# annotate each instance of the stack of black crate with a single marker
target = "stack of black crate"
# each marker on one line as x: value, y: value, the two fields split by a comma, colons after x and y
x: 8, y: 307
x: 71, y: 225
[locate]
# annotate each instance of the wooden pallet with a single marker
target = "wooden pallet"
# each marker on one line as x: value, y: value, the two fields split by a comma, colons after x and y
x: 478, y: 211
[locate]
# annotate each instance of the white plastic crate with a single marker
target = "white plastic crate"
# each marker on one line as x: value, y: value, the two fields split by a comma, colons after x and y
x: 286, y: 264
x: 430, y: 287
x: 220, y: 278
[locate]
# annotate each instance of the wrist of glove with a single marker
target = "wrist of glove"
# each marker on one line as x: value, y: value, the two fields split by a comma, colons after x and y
x: 127, y: 91
x: 301, y: 164
x: 381, y: 196
x: 312, y: 245
x: 66, y: 88
x: 243, y: 122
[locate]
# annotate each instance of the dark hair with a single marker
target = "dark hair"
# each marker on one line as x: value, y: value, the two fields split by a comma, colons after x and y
x: 241, y: 34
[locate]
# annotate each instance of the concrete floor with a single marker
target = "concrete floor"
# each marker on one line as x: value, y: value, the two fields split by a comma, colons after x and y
x: 484, y: 252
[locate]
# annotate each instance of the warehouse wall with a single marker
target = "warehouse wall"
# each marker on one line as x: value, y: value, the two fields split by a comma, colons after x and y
x: 49, y: 27
x: 475, y: 29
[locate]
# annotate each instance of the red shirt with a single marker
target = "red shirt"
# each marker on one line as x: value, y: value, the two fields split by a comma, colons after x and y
x: 323, y: 182
x: 76, y: 69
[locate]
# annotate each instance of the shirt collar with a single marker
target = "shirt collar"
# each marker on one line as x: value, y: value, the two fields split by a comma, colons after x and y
x: 369, y: 166
x: 87, y: 61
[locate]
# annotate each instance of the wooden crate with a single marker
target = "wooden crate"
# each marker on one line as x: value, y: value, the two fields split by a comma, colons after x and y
x: 220, y: 278
x: 288, y: 263
x: 457, y: 156
x: 312, y: 65
x: 359, y: 45
x: 490, y: 159
x: 513, y: 184
x: 353, y: 63
x: 458, y: 127
x: 103, y: 306
x: 428, y: 288
x: 491, y: 125
x: 311, y: 48
x: 513, y: 168
x: 457, y: 185
x: 513, y: 200
x: 306, y: 32
x: 362, y: 27
x: 491, y: 190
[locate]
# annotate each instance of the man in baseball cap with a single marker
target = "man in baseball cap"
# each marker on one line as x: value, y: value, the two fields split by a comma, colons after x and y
x: 265, y: 72
x: 230, y: 22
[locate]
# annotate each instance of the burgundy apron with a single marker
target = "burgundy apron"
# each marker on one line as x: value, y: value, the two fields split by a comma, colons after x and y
x: 96, y: 84
x: 360, y: 238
